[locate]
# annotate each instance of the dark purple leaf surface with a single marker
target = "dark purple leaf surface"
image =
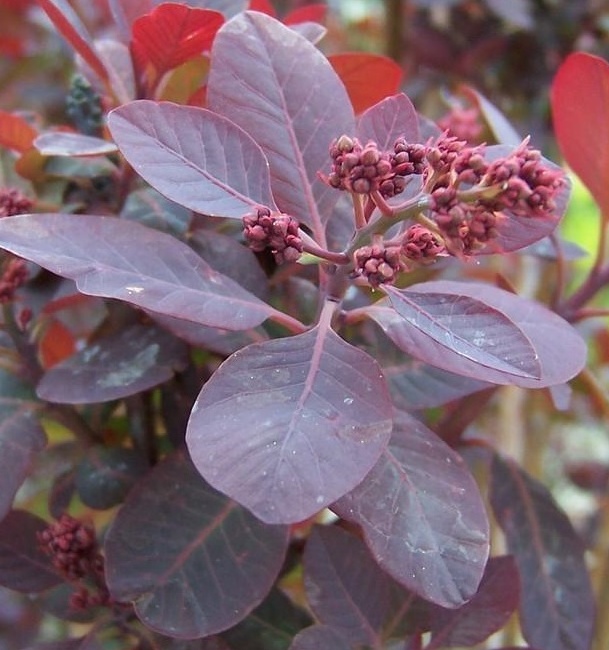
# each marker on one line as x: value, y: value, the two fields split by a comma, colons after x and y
x: 271, y: 626
x: 346, y: 588
x: 21, y: 438
x: 388, y: 120
x: 23, y: 566
x: 120, y: 259
x: 287, y: 426
x: 547, y: 332
x: 283, y: 91
x: 320, y: 636
x: 135, y: 359
x: 60, y: 143
x: 148, y: 207
x: 194, y: 562
x: 422, y: 516
x: 467, y: 327
x: 231, y: 258
x: 105, y: 475
x: 192, y: 156
x: 557, y: 605
x: 488, y: 611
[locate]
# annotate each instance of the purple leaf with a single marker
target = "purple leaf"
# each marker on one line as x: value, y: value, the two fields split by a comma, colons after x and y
x: 557, y: 606
x: 488, y: 611
x: 388, y: 120
x: 271, y: 626
x: 320, y: 636
x: 287, y: 426
x: 105, y: 475
x: 346, y: 588
x: 283, y: 91
x: 497, y: 122
x: 192, y: 156
x: 193, y: 562
x: 60, y: 143
x: 117, y: 60
x: 23, y: 565
x: 422, y: 516
x: 139, y: 357
x: 148, y: 207
x: 546, y: 332
x: 120, y: 259
x: 21, y: 438
x: 467, y: 327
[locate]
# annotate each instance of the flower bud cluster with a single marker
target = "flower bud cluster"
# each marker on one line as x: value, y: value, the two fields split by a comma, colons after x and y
x: 527, y: 185
x: 74, y: 552
x: 420, y: 244
x: 13, y: 202
x: 278, y: 231
x: 364, y: 169
x: 14, y: 276
x: 462, y: 123
x: 72, y: 547
x: 378, y: 264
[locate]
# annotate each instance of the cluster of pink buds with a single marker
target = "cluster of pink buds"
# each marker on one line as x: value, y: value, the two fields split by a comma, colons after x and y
x: 278, y: 232
x: 421, y: 245
x: 526, y: 185
x: 365, y: 168
x: 13, y: 202
x: 14, y: 276
x: 378, y: 263
x: 462, y: 123
x: 74, y: 552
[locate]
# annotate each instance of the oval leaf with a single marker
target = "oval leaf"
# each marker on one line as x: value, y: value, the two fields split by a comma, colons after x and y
x: 356, y: 69
x: 120, y: 259
x: 580, y: 109
x: 467, y: 327
x: 171, y: 34
x: 61, y: 143
x: 488, y: 611
x: 422, y: 516
x: 390, y: 119
x: 557, y: 606
x: 287, y: 426
x: 134, y: 360
x: 193, y: 562
x: 295, y: 108
x: 194, y: 157
x: 545, y: 331
x: 320, y: 636
x: 347, y: 589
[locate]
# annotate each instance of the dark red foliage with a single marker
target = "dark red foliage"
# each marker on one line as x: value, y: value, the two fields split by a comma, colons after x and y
x: 266, y: 369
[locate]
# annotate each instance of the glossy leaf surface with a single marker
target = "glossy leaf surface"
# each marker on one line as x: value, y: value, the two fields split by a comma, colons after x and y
x: 346, y: 588
x: 546, y: 332
x: 193, y: 156
x: 422, y: 516
x: 120, y: 259
x: 23, y: 565
x: 295, y: 109
x: 557, y: 606
x: 468, y: 328
x: 488, y: 611
x: 134, y: 360
x: 357, y: 69
x: 172, y: 34
x: 580, y: 110
x: 194, y: 562
x: 60, y: 143
x: 388, y: 120
x: 287, y: 426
